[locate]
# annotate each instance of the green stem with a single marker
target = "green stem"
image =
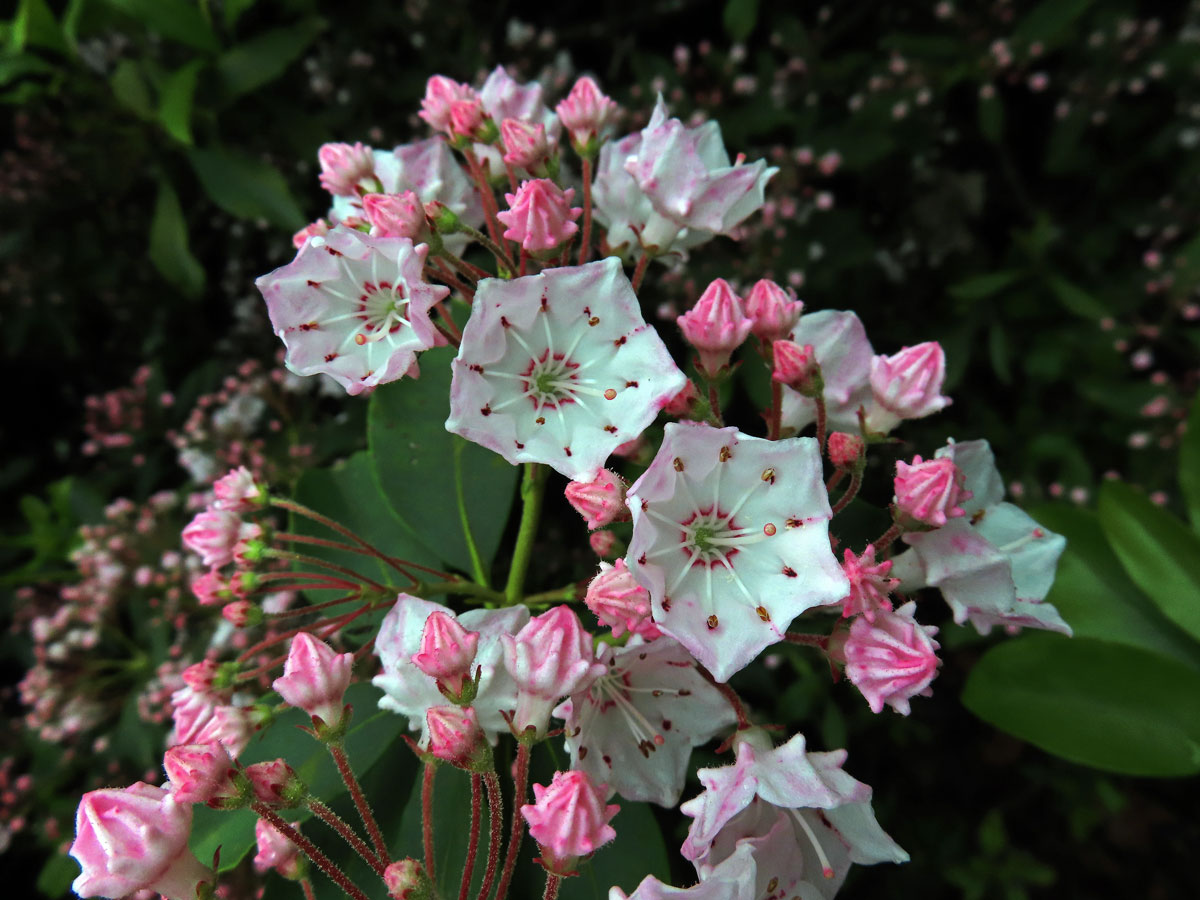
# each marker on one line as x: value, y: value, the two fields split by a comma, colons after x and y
x: 533, y: 488
x: 480, y: 573
x: 461, y: 587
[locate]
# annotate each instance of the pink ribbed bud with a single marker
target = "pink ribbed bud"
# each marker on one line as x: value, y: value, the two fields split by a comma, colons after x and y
x: 796, y: 366
x: 466, y: 117
x: 406, y: 880
x: 869, y: 584
x: 248, y: 550
x: 236, y: 491
x: 540, y: 215
x: 619, y: 602
x: 600, y: 501
x: 907, y: 385
x: 892, y: 659
x: 199, y: 772
x: 275, y: 783
x: 201, y: 676
x: 775, y: 311
x: 395, y: 215
x: 569, y: 819
x: 242, y: 614
x: 231, y: 726
x: 447, y: 651
x: 453, y: 735
x: 211, y: 588
x: 549, y: 658
x: 587, y: 113
x: 276, y: 851
x: 343, y: 166
x: 525, y: 143
x: 845, y: 450
x: 929, y: 492
x: 319, y: 228
x: 604, y: 544
x: 716, y: 326
x: 315, y: 678
x: 212, y: 534
x: 683, y: 404
x: 134, y: 839
x: 441, y: 93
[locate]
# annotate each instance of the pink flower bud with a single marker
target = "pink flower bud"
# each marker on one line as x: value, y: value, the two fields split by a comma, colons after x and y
x: 211, y: 588
x: 236, y: 491
x: 586, y: 112
x: 569, y: 819
x: 201, y: 676
x: 133, y: 839
x: 540, y: 215
x: 603, y: 544
x: 395, y: 215
x: 275, y: 783
x: 775, y: 311
x: 276, y: 851
x: 929, y: 492
x: 212, y: 534
x: 619, y: 602
x: 447, y: 651
x: 600, y: 501
x: 891, y: 659
x: 406, y: 880
x: 242, y: 614
x: 441, y: 93
x: 869, y: 584
x: 845, y: 450
x: 318, y: 228
x: 715, y: 326
x: 230, y: 726
x: 549, y: 658
x: 466, y: 116
x: 454, y: 735
x: 525, y: 143
x: 315, y: 678
x: 908, y: 385
x: 199, y: 772
x: 683, y: 403
x: 829, y: 162
x: 343, y: 166
x: 796, y: 366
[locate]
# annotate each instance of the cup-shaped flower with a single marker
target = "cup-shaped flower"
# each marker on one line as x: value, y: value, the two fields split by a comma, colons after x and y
x: 441, y: 94
x: 620, y: 603
x: 344, y: 167
x: 236, y: 491
x: 907, y: 385
x: 600, y: 501
x: 731, y: 538
x: 212, y: 534
x: 929, y: 492
x: 525, y: 143
x: 797, y: 367
x: 199, y: 772
x: 845, y: 450
x: 396, y: 215
x: 588, y: 114
x: 716, y: 326
x: 869, y: 584
x: 315, y: 678
x: 773, y: 310
x: 569, y: 819
x: 734, y: 878
x: 840, y: 343
x: 132, y: 839
x: 276, y: 851
x: 549, y: 658
x: 892, y: 658
x: 559, y: 368
x: 453, y: 734
x: 447, y: 652
x: 276, y: 784
x: 540, y: 216
x: 353, y: 307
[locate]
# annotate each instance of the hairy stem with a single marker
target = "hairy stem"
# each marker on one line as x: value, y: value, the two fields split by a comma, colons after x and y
x: 473, y: 838
x: 849, y: 493
x: 520, y: 786
x: 427, y: 816
x: 495, y: 825
x: 360, y: 802
x: 309, y: 849
x: 585, y: 247
x: 334, y: 821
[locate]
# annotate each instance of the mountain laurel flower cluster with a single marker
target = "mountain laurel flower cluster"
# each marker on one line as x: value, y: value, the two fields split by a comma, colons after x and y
x: 484, y: 310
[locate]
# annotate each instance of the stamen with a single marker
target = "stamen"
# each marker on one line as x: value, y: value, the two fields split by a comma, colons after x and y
x: 826, y: 868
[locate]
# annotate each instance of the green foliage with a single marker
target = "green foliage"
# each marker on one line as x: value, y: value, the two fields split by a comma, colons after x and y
x: 246, y: 187
x: 169, y: 249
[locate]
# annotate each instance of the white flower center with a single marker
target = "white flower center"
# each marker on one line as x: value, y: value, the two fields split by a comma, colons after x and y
x: 612, y: 690
x: 383, y: 308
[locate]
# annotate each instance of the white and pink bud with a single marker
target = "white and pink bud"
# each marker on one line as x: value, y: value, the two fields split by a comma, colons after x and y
x: 237, y: 492
x: 845, y: 450
x: 600, y: 501
x: 211, y: 588
x: 466, y: 118
x: 869, y: 584
x: 540, y: 216
x: 201, y: 677
x: 405, y: 879
x: 525, y: 143
x: 604, y: 544
x: 242, y: 613
x: 395, y: 215
x: 447, y: 652
x: 716, y: 326
x: 453, y: 735
x: 230, y: 726
x: 907, y: 385
x: 797, y: 367
x: 569, y: 820
x: 928, y: 492
x: 276, y: 784
x: 441, y: 93
x: 892, y: 659
x: 587, y: 114
x: 620, y: 603
x: 212, y: 534
x: 133, y: 839
x: 275, y: 851
x: 774, y: 310
x: 344, y: 167
x: 319, y: 228
x: 315, y: 679
x: 200, y: 772
x: 551, y: 657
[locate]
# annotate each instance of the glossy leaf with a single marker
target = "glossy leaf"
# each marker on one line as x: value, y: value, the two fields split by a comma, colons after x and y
x: 983, y: 286
x: 991, y: 118
x: 1050, y: 21
x: 245, y: 187
x: 176, y: 94
x: 1189, y: 465
x: 264, y: 58
x: 740, y: 17
x: 177, y: 20
x: 35, y: 26
x: 1092, y: 702
x: 169, y: 244
x: 130, y: 88
x: 1077, y: 300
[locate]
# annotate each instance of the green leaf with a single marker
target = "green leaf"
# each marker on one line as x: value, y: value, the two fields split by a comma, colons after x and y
x: 264, y: 58
x: 177, y: 20
x: 1076, y: 300
x: 740, y: 18
x: 983, y: 286
x: 14, y: 66
x: 234, y: 10
x: 175, y: 100
x: 991, y: 118
x: 57, y: 874
x: 1158, y: 551
x: 245, y: 187
x: 1189, y: 465
x: 1050, y: 21
x: 35, y: 26
x: 1092, y: 702
x: 421, y: 469
x: 169, y: 244
x: 129, y: 87
x: 999, y: 353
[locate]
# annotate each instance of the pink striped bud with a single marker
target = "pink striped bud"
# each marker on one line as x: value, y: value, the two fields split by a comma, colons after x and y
x: 907, y: 385
x: 211, y: 588
x: 569, y: 820
x: 212, y: 534
x: 200, y: 772
x: 540, y: 215
x: 845, y: 450
x: 242, y: 614
x: 619, y: 602
x: 797, y: 367
x: 525, y: 143
x: 775, y: 311
x: 395, y: 215
x: 453, y: 735
x: 441, y: 93
x: 600, y: 501
x: 466, y: 118
x: 604, y: 544
x: 869, y: 584
x: 447, y: 652
x: 236, y: 491
x: 343, y: 166
x: 716, y: 326
x: 891, y: 659
x: 929, y: 492
x: 406, y: 880
x: 277, y: 852
x: 315, y: 679
x: 276, y: 784
x: 202, y: 676
x: 587, y: 114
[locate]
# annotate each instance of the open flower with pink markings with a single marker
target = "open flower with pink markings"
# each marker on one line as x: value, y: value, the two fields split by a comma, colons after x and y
x: 559, y: 368
x: 353, y: 307
x: 731, y: 538
x: 891, y: 658
x: 734, y: 878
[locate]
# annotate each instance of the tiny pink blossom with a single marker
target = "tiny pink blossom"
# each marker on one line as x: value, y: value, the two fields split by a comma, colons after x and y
x: 525, y: 143
x: 318, y: 228
x: 405, y: 879
x: 211, y: 588
x: 447, y: 651
x: 276, y: 851
x: 774, y: 310
x: 845, y: 450
x: 540, y: 215
x: 274, y: 782
x: 344, y: 166
x: 395, y: 215
x: 453, y: 734
x: 242, y: 614
x: 315, y: 678
x: 236, y: 491
x: 569, y: 819
x: 907, y: 385
x: 795, y: 366
x: 869, y: 584
x: 441, y: 93
x: 200, y: 677
x: 587, y: 113
x: 212, y: 534
x: 603, y: 543
x: 929, y: 492
x: 600, y: 501
x: 891, y: 658
x: 199, y: 772
x: 716, y: 326
x: 620, y: 603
